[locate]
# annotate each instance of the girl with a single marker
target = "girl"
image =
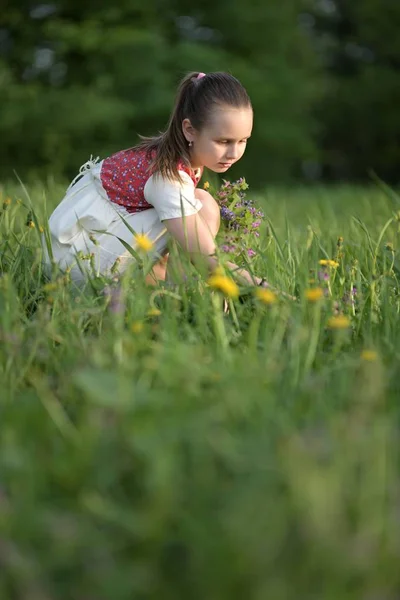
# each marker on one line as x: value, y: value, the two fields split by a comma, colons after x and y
x: 153, y: 186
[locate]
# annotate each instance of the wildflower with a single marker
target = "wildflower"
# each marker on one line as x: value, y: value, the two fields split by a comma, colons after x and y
x: 228, y: 248
x: 227, y: 214
x: 250, y: 252
x: 323, y: 275
x: 30, y: 224
x: 314, y: 294
x: 206, y: 185
x: 255, y: 224
x: 339, y: 322
x: 369, y: 355
x: 6, y: 202
x: 266, y: 296
x: 224, y: 284
x: 328, y: 263
x: 41, y: 229
x: 154, y: 312
x: 143, y: 242
x: 136, y: 327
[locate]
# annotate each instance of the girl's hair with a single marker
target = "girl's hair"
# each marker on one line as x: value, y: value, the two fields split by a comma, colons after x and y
x: 195, y: 99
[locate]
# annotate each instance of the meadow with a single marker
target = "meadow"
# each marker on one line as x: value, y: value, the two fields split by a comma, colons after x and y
x: 154, y: 445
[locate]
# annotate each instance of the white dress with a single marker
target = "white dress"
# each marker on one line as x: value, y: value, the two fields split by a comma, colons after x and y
x: 85, y: 227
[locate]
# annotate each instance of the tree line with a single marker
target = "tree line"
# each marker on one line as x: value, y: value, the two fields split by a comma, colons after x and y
x: 80, y: 79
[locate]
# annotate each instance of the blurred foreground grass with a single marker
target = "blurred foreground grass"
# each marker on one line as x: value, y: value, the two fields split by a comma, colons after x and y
x: 154, y: 447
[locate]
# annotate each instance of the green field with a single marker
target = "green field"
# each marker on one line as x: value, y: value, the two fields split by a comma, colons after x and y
x: 154, y: 446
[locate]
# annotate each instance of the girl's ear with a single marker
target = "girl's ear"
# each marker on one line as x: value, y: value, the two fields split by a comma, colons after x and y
x: 188, y: 130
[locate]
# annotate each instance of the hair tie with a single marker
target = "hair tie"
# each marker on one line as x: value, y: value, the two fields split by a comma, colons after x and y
x: 200, y: 75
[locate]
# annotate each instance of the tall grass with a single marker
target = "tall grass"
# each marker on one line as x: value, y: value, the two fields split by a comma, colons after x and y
x: 154, y: 446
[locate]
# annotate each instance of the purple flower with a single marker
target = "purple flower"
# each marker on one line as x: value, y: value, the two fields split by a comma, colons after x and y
x: 227, y: 214
x: 323, y: 275
x: 256, y: 224
x: 250, y: 252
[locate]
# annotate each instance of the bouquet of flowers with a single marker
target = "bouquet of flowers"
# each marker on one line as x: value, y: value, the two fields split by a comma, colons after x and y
x: 239, y: 234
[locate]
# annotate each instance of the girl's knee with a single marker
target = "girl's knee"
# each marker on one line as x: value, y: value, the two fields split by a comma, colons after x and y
x: 210, y: 206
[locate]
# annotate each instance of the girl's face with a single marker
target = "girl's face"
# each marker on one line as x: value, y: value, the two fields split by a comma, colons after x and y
x: 222, y: 141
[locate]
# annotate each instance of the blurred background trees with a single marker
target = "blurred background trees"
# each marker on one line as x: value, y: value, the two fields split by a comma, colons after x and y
x: 82, y: 78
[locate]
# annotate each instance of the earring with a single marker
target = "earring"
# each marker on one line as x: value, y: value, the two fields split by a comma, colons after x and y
x: 190, y: 144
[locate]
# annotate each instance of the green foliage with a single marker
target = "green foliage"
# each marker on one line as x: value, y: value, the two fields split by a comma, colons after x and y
x: 361, y: 51
x: 81, y: 82
x: 195, y: 453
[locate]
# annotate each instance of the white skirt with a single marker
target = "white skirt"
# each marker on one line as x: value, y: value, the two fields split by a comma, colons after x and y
x: 85, y: 227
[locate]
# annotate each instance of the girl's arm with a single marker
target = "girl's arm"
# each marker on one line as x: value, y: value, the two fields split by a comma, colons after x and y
x: 193, y: 235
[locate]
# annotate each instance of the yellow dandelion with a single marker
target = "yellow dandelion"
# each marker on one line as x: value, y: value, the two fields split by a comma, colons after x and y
x: 328, y: 263
x: 339, y: 322
x: 31, y: 225
x: 314, y: 294
x: 154, y: 312
x: 266, y: 296
x: 224, y: 284
x: 206, y: 185
x: 143, y: 242
x: 369, y: 355
x: 136, y: 327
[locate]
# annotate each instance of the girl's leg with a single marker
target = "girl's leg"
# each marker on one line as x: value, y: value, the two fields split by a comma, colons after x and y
x: 158, y: 272
x: 211, y: 215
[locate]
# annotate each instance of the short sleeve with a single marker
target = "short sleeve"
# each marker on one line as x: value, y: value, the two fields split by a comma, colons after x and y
x: 172, y: 199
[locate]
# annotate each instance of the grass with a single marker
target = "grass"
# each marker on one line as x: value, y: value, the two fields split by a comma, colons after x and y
x: 187, y: 453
